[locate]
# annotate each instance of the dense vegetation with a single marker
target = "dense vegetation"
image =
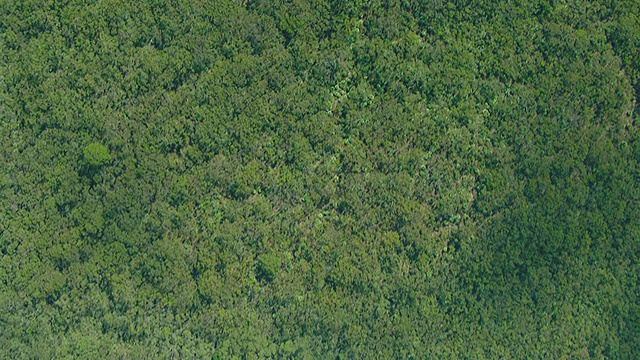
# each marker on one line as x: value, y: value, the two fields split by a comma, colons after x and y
x: 319, y: 179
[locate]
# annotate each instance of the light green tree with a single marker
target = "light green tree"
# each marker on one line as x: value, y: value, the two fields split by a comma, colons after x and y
x: 97, y: 155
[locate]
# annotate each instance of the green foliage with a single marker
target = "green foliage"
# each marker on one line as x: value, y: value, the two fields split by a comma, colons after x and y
x: 268, y: 266
x: 319, y: 179
x: 96, y: 154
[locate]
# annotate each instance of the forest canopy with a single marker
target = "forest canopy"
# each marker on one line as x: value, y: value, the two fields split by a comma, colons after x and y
x: 319, y: 179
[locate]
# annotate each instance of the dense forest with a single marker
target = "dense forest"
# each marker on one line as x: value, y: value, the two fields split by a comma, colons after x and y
x: 297, y: 179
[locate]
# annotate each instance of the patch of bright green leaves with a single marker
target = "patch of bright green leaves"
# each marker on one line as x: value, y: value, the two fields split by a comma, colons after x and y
x: 97, y: 155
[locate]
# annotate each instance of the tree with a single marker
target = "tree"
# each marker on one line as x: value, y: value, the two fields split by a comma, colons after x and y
x: 97, y: 155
